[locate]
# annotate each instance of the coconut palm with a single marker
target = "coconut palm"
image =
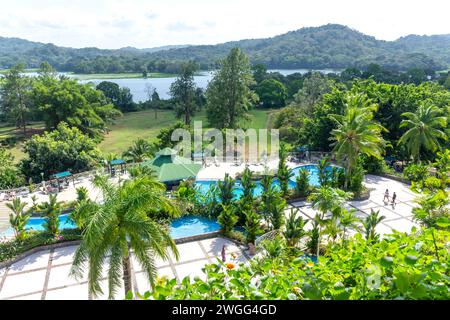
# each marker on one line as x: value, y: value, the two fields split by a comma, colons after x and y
x: 140, y: 151
x: 18, y: 218
x: 357, y: 133
x: 425, y: 130
x: 328, y: 201
x: 121, y: 224
x: 295, y: 228
x: 51, y: 210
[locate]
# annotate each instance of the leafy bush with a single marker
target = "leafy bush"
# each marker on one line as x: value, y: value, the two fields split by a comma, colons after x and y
x: 62, y: 149
x: 416, y: 172
x: 400, y: 266
x: 11, y: 249
x: 302, y: 188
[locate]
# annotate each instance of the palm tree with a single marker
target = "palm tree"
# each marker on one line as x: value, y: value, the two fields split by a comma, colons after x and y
x: 51, y: 211
x: 140, y: 151
x: 425, y: 130
x: 18, y: 218
x: 370, y: 223
x: 121, y: 224
x: 347, y: 220
x: 295, y: 225
x: 357, y: 133
x: 327, y: 200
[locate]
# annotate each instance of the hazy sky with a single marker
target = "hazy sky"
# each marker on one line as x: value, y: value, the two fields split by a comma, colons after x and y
x: 150, y: 23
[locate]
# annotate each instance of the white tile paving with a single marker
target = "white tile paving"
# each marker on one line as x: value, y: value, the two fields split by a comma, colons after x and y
x: 26, y: 279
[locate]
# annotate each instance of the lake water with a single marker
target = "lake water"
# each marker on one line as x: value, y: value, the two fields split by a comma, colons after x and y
x: 139, y: 86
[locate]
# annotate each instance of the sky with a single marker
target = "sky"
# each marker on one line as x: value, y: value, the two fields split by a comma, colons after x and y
x: 150, y: 23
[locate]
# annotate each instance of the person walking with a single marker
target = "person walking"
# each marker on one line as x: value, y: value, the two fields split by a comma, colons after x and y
x: 386, y: 197
x: 394, y: 198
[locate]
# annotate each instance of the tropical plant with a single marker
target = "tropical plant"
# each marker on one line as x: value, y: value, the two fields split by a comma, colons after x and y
x: 327, y: 200
x: 227, y: 219
x: 226, y: 188
x: 51, y: 210
x: 295, y: 228
x: 252, y: 226
x: 370, y: 224
x: 248, y: 185
x: 284, y: 173
x: 140, y: 151
x: 121, y: 224
x: 273, y: 247
x: 416, y: 172
x: 18, y: 218
x: 357, y: 133
x: 302, y: 187
x: 425, y: 130
x: 324, y: 173
x: 399, y: 267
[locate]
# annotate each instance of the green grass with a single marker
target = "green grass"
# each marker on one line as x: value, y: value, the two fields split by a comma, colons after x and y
x: 105, y: 76
x: 7, y: 131
x: 133, y: 126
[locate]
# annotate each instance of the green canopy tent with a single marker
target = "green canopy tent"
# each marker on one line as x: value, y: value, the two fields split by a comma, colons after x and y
x: 62, y: 176
x: 115, y: 163
x: 170, y: 168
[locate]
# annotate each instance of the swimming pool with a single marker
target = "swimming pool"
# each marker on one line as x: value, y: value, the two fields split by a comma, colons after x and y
x: 203, y: 186
x: 181, y: 228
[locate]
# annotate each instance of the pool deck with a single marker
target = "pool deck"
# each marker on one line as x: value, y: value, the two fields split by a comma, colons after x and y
x: 45, y: 275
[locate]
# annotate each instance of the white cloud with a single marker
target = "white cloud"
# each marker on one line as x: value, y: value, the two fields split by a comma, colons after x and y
x: 148, y: 23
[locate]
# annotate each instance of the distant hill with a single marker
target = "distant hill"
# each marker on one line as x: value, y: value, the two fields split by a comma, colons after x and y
x: 329, y: 46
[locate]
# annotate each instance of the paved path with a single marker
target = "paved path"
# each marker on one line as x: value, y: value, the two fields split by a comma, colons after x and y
x: 398, y: 217
x: 45, y: 275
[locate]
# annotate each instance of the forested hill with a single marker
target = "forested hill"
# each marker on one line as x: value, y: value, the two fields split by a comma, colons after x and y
x: 329, y: 46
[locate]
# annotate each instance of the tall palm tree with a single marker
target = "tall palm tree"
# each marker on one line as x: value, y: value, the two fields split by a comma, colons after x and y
x: 18, y: 218
x: 121, y: 224
x: 51, y: 210
x: 425, y: 130
x: 327, y: 200
x: 140, y: 151
x: 295, y: 228
x: 357, y: 133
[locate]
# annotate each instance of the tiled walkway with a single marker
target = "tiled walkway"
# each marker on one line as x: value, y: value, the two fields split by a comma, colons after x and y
x: 45, y: 275
x: 398, y: 217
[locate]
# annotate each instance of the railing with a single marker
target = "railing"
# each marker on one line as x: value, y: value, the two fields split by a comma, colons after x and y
x: 268, y: 236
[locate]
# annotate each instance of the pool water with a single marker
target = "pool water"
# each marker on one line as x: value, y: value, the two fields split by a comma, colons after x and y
x: 188, y: 226
x: 192, y: 226
x: 181, y: 228
x: 204, y: 186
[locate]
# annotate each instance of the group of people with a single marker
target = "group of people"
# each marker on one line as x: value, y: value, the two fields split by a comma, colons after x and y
x: 387, y: 198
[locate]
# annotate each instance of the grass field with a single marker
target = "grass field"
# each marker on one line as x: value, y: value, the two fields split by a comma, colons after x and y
x: 133, y: 126
x: 108, y: 76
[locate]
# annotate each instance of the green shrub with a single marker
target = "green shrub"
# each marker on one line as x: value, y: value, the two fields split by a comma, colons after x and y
x: 400, y: 266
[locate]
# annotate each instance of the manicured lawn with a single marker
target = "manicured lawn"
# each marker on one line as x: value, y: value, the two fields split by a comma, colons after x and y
x: 133, y: 126
x: 8, y: 131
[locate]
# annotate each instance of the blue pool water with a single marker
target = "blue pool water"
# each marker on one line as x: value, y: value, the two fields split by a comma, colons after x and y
x: 204, y: 186
x: 192, y: 226
x: 181, y: 228
x: 188, y: 226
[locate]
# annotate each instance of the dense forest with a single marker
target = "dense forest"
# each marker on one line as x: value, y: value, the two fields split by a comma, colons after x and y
x: 329, y: 46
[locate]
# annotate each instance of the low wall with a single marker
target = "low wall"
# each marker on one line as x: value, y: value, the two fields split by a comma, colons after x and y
x: 8, y: 263
x: 393, y: 177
